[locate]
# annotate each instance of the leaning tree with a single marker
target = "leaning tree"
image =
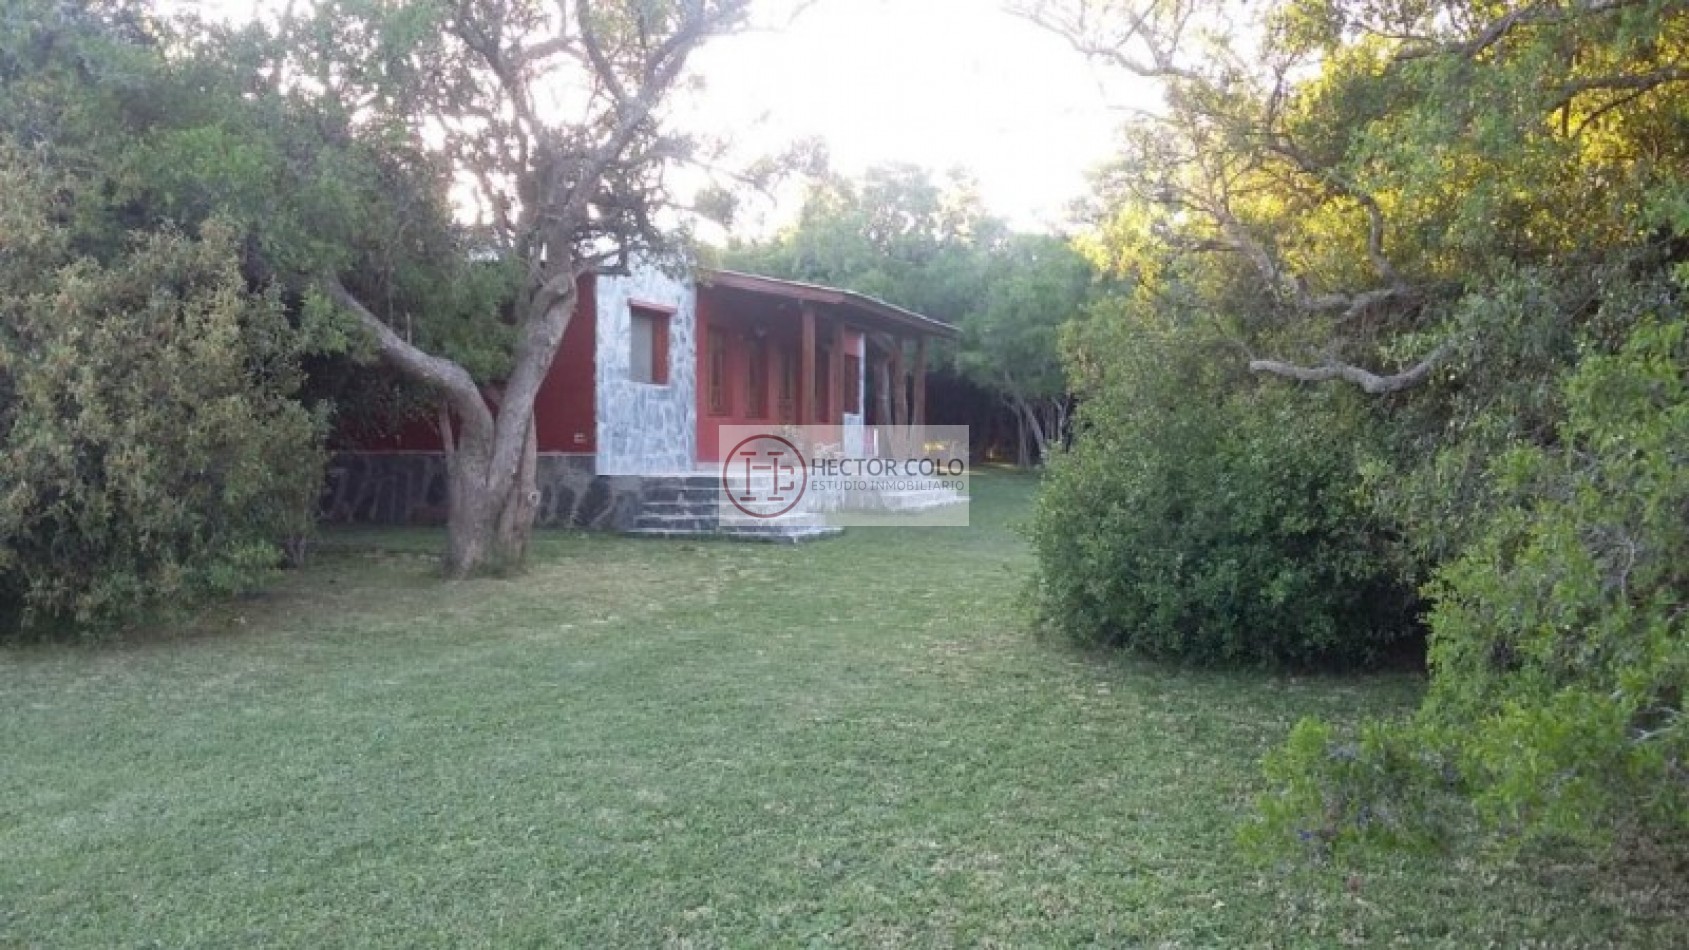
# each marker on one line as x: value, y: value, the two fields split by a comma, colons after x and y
x: 548, y: 116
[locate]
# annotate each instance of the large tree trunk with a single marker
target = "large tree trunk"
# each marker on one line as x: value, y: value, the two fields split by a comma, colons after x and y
x: 491, y: 518
x: 491, y: 459
x: 469, y: 538
x: 494, y: 493
x: 478, y: 519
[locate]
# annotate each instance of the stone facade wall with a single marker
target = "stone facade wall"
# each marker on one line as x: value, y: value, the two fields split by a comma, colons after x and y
x: 646, y: 429
x: 410, y: 488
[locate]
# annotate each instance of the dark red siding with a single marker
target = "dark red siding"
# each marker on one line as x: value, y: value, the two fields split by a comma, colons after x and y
x: 565, y: 414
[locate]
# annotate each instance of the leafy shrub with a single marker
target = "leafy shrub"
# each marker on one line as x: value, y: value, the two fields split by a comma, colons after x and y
x: 1210, y: 520
x: 1559, y: 639
x: 150, y: 452
x: 1380, y: 786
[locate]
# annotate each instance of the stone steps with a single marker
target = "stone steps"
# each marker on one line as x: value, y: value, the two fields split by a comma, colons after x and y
x: 687, y: 506
x: 682, y: 488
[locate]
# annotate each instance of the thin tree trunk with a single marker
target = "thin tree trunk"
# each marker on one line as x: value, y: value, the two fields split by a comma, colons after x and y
x: 1035, y: 425
x: 882, y: 392
x: 901, y: 441
x: 1031, y: 432
x: 1023, y: 458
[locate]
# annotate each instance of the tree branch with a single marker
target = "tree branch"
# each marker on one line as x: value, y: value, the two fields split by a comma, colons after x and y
x: 1076, y: 27
x: 443, y: 374
x: 1369, y: 382
x: 1535, y: 14
x: 1282, y: 146
x: 1634, y: 86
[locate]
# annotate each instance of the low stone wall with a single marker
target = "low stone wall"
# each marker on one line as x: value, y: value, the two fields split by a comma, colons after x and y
x: 410, y: 488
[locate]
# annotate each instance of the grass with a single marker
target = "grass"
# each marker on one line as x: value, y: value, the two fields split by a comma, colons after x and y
x: 689, y: 744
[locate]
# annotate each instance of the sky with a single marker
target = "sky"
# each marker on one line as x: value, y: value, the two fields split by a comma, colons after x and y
x: 938, y: 83
x: 944, y: 84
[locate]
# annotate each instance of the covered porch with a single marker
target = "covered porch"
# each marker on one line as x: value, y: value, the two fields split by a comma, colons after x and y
x: 777, y: 352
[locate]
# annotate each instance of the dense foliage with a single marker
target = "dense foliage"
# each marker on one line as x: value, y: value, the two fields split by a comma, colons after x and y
x: 152, y: 448
x: 1472, y: 219
x: 895, y: 234
x: 1562, y: 646
x: 1200, y: 518
x: 194, y: 212
x: 150, y: 451
x: 1560, y: 654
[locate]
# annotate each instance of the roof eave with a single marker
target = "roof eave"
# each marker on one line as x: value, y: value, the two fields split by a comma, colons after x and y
x: 832, y: 296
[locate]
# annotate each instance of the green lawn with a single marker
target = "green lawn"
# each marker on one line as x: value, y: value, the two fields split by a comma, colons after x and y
x: 647, y: 743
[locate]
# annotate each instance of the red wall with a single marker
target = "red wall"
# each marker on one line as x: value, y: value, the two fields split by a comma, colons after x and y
x: 564, y: 412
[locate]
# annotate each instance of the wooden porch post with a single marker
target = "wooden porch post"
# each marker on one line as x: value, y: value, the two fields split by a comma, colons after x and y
x: 899, y: 385
x: 835, y: 378
x: 759, y: 354
x: 882, y: 389
x: 806, y: 369
x: 920, y: 413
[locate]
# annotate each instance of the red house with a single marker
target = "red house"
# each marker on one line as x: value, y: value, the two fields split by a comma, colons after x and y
x: 649, y: 370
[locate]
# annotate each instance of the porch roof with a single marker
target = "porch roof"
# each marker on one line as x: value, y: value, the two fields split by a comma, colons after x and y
x: 871, y: 311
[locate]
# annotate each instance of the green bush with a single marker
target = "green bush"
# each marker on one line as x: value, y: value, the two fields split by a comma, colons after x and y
x: 1559, y: 638
x: 1213, y: 520
x: 150, y: 450
x: 1381, y: 786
